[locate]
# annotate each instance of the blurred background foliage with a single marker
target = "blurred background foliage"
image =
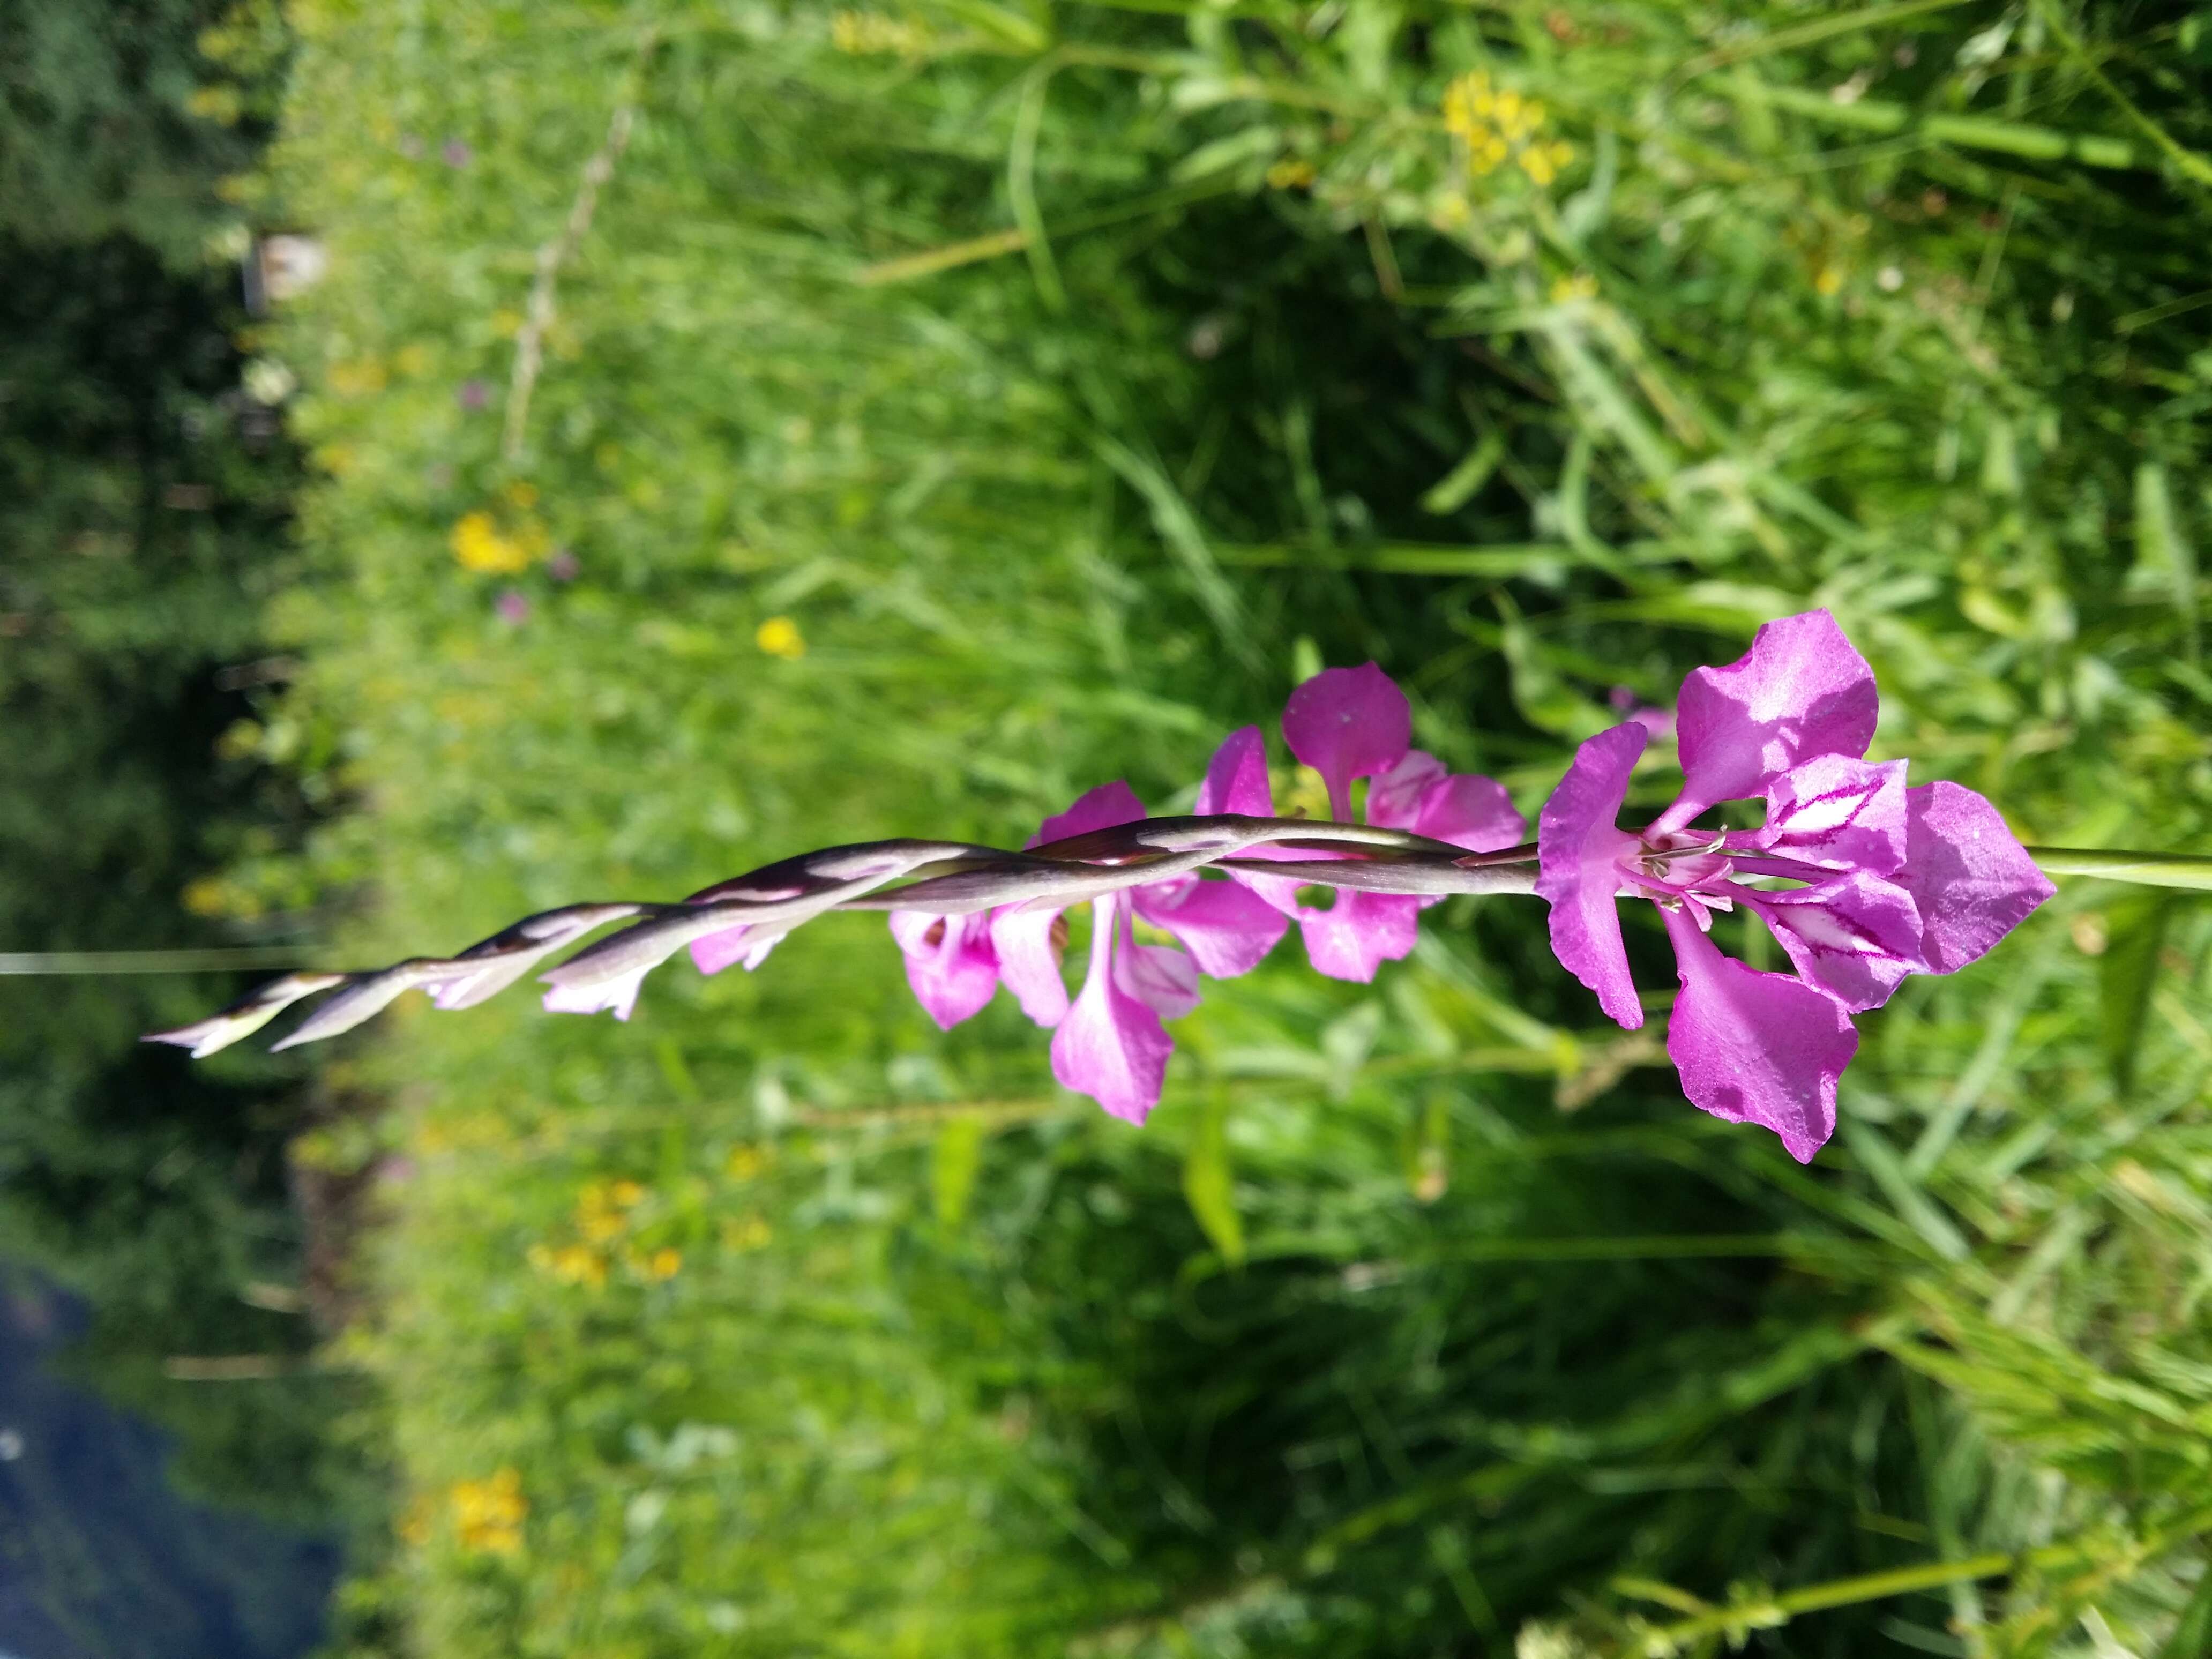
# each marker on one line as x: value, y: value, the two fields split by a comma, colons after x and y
x: 738, y: 427
x: 147, y: 1219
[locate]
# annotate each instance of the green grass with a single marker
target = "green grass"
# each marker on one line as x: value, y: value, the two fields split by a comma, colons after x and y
x: 1075, y: 380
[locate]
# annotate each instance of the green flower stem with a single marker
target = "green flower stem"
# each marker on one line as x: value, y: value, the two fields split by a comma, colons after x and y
x: 2147, y: 869
x: 1738, y: 1619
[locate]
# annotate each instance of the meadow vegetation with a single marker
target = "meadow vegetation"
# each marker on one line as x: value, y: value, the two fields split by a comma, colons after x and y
x: 742, y: 428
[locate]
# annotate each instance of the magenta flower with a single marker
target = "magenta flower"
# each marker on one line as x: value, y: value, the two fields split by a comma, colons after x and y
x: 513, y: 607
x: 1108, y: 1041
x: 1892, y: 881
x: 1349, y: 723
x: 950, y: 963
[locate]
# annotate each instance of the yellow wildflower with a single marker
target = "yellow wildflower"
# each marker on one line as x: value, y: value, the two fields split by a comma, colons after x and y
x: 489, y: 1514
x: 745, y: 1162
x: 1580, y: 286
x: 663, y: 1263
x: 1829, y: 280
x: 1290, y: 174
x: 780, y: 637
x: 1498, y: 127
x: 572, y: 1264
x: 480, y: 546
x: 1468, y: 104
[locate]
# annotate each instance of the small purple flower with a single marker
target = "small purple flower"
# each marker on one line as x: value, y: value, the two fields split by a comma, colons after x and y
x: 472, y: 395
x: 563, y: 565
x: 513, y: 606
x: 1891, y: 881
x: 456, y: 154
x: 1349, y: 723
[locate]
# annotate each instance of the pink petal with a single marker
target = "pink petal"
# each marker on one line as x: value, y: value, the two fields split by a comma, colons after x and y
x: 1111, y: 1046
x: 1394, y: 799
x: 1755, y: 1048
x: 1801, y: 690
x: 1227, y: 928
x: 1836, y: 812
x: 1029, y: 963
x: 1460, y: 807
x: 1855, y: 937
x: 1580, y: 849
x: 1972, y: 880
x: 1360, y: 932
x: 744, y: 943
x: 1163, y: 979
x: 1469, y: 811
x: 1237, y: 778
x: 1237, y: 781
x: 1279, y: 893
x: 953, y: 974
x: 1348, y: 723
x: 1109, y: 804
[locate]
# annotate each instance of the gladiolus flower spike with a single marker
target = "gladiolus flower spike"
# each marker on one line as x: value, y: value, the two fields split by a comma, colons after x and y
x: 1860, y: 879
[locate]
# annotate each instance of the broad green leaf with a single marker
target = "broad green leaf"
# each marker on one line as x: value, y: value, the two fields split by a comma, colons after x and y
x: 953, y: 1163
x: 2165, y: 559
x: 2135, y: 929
x: 2192, y: 1633
x: 1208, y: 1184
x: 1428, y: 1163
x: 673, y: 1068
